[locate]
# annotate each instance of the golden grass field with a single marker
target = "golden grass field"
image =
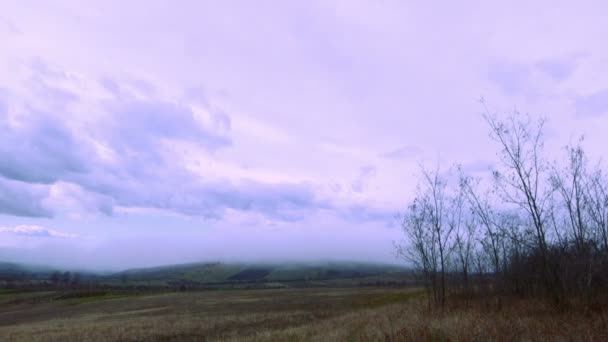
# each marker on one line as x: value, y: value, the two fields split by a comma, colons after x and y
x: 352, y: 314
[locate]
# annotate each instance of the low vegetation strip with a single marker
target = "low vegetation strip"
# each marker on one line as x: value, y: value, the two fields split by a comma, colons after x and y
x: 378, y: 314
x: 204, y: 315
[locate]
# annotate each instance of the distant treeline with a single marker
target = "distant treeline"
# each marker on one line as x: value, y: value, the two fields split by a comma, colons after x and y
x: 530, y: 228
x: 204, y: 276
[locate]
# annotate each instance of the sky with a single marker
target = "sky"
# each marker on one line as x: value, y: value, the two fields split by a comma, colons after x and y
x: 138, y: 133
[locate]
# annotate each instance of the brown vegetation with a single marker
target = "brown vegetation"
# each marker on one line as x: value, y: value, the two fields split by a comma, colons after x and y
x: 535, y: 229
x: 296, y: 315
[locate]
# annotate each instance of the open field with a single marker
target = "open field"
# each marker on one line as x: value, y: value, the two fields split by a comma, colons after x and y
x: 182, y: 316
x: 351, y: 314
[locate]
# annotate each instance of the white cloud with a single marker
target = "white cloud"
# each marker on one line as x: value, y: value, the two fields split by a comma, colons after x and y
x: 36, y: 232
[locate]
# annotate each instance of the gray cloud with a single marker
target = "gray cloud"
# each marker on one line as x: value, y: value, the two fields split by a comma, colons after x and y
x: 558, y: 69
x: 361, y: 213
x: 220, y: 119
x: 403, y: 153
x: 592, y: 105
x: 519, y: 78
x: 43, y: 150
x: 3, y: 105
x: 111, y: 86
x: 40, y: 150
x: 511, y: 78
x: 365, y: 174
x: 21, y: 199
x: 186, y: 195
x: 477, y: 167
x: 41, y: 70
x: 118, y: 90
x: 141, y: 124
x: 8, y: 26
x: 281, y: 201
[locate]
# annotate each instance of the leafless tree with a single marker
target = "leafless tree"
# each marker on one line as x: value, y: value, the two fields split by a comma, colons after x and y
x: 571, y: 183
x: 522, y: 181
x: 481, y: 208
x: 430, y: 226
x: 464, y: 245
x: 420, y: 246
x: 532, y: 228
x: 597, y: 190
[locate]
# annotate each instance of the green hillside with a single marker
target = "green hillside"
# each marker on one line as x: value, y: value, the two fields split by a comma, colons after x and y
x: 220, y: 275
x: 215, y: 273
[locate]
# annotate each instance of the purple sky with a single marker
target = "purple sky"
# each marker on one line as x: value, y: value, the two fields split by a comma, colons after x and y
x: 135, y: 133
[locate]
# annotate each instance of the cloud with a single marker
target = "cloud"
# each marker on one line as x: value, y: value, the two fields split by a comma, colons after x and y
x: 141, y: 125
x: 366, y: 173
x: 532, y: 79
x: 365, y: 213
x: 7, y: 26
x: 403, y: 153
x: 140, y: 113
x: 558, y: 69
x: 74, y: 201
x: 129, y: 156
x: 477, y: 167
x: 511, y: 78
x: 21, y: 199
x: 284, y: 201
x: 39, y: 149
x: 36, y: 231
x: 3, y: 105
x: 592, y: 105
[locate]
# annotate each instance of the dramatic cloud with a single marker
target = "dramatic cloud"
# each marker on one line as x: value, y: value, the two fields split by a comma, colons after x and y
x: 128, y: 157
x: 38, y: 148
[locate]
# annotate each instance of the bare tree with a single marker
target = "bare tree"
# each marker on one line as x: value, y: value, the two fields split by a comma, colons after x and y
x: 571, y: 183
x: 55, y: 277
x: 439, y: 207
x: 464, y: 247
x: 533, y: 228
x: 66, y: 277
x: 419, y: 248
x: 522, y: 181
x: 481, y: 208
x: 597, y: 190
x: 429, y: 226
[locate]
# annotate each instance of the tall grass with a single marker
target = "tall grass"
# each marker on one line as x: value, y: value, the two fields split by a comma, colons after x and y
x: 368, y: 316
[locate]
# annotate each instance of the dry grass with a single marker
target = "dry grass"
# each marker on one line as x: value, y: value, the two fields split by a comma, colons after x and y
x: 295, y: 315
x: 524, y: 321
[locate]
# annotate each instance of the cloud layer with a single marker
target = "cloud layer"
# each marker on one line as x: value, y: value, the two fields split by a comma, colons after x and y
x: 35, y: 231
x: 120, y: 122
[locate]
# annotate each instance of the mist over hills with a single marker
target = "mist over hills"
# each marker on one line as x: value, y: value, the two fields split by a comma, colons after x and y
x: 217, y: 273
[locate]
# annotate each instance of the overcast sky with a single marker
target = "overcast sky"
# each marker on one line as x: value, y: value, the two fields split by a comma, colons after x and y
x: 136, y: 133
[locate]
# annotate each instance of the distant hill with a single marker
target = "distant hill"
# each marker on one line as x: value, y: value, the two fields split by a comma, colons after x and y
x: 218, y: 273
x: 13, y: 271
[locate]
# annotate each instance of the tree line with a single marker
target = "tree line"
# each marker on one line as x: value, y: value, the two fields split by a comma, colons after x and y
x: 532, y: 227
